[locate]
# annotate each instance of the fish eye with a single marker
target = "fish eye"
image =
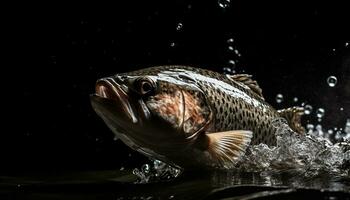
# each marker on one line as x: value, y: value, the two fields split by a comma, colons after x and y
x: 145, y: 85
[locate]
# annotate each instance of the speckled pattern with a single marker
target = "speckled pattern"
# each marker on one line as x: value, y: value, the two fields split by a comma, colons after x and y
x: 234, y: 106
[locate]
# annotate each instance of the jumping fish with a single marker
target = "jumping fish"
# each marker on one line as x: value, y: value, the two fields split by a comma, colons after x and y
x: 189, y: 117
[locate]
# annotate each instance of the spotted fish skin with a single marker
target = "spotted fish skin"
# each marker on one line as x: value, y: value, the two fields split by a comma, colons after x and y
x: 234, y: 106
x: 188, y: 117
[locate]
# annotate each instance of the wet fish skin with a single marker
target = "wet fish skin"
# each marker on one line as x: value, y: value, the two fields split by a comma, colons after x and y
x: 189, y: 117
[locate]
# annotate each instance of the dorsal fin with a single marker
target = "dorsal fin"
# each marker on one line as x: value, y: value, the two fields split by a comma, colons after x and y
x: 293, y: 115
x: 247, y: 80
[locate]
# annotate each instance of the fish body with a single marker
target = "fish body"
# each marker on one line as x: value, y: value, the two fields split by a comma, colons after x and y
x: 189, y: 117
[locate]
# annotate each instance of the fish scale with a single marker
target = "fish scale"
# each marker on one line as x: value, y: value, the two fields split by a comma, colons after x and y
x: 244, y: 113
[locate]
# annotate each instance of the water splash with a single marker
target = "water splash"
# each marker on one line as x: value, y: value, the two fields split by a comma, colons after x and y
x: 309, y: 154
x: 156, y: 171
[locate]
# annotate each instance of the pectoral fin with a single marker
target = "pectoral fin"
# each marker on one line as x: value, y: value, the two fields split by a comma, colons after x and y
x: 293, y: 116
x: 225, y: 148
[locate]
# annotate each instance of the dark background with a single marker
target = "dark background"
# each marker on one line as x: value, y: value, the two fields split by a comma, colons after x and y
x: 60, y: 50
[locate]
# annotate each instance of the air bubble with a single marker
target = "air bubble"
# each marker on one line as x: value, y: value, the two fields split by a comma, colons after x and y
x: 279, y: 98
x: 295, y: 99
x: 230, y: 41
x: 172, y: 44
x: 227, y: 70
x: 308, y: 109
x: 224, y: 3
x: 232, y: 62
x: 320, y: 113
x: 179, y: 26
x: 332, y: 81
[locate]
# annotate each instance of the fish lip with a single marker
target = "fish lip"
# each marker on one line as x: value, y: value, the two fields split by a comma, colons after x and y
x: 109, y: 89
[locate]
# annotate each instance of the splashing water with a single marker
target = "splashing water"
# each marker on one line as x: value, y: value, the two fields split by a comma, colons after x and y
x: 156, y: 171
x: 310, y: 155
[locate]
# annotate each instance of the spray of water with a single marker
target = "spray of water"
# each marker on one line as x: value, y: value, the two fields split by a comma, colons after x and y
x: 309, y: 154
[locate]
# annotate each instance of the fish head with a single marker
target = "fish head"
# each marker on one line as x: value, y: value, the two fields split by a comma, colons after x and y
x: 152, y: 111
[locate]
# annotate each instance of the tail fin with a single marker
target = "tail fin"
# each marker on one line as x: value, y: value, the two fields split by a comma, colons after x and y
x: 293, y: 116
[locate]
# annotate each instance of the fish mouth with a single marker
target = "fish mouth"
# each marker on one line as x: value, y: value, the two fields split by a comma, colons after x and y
x: 110, y: 96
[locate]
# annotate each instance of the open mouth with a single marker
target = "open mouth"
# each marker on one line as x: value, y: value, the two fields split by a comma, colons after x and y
x: 109, y: 90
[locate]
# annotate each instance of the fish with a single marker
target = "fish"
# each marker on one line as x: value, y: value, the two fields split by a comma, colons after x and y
x: 189, y: 117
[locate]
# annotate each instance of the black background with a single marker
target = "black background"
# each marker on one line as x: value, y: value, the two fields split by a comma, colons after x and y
x: 60, y: 50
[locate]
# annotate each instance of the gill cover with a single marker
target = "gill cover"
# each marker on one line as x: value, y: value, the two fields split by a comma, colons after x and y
x: 183, y: 106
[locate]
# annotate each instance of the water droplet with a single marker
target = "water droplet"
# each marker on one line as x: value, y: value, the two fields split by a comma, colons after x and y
x: 310, y: 127
x: 341, y: 109
x: 230, y: 48
x: 224, y: 3
x: 332, y: 81
x: 295, y: 99
x: 330, y: 131
x: 320, y: 113
x: 179, y: 26
x: 145, y: 168
x: 347, y: 127
x: 279, y: 98
x: 115, y: 138
x: 333, y: 50
x: 171, y: 197
x: 230, y: 41
x: 237, y: 52
x: 122, y: 169
x: 346, y: 44
x: 172, y: 44
x: 227, y: 70
x: 319, y: 130
x: 308, y: 109
x: 232, y: 63
x: 338, y: 136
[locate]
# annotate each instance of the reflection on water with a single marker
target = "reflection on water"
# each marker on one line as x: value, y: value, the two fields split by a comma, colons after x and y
x: 190, y: 185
